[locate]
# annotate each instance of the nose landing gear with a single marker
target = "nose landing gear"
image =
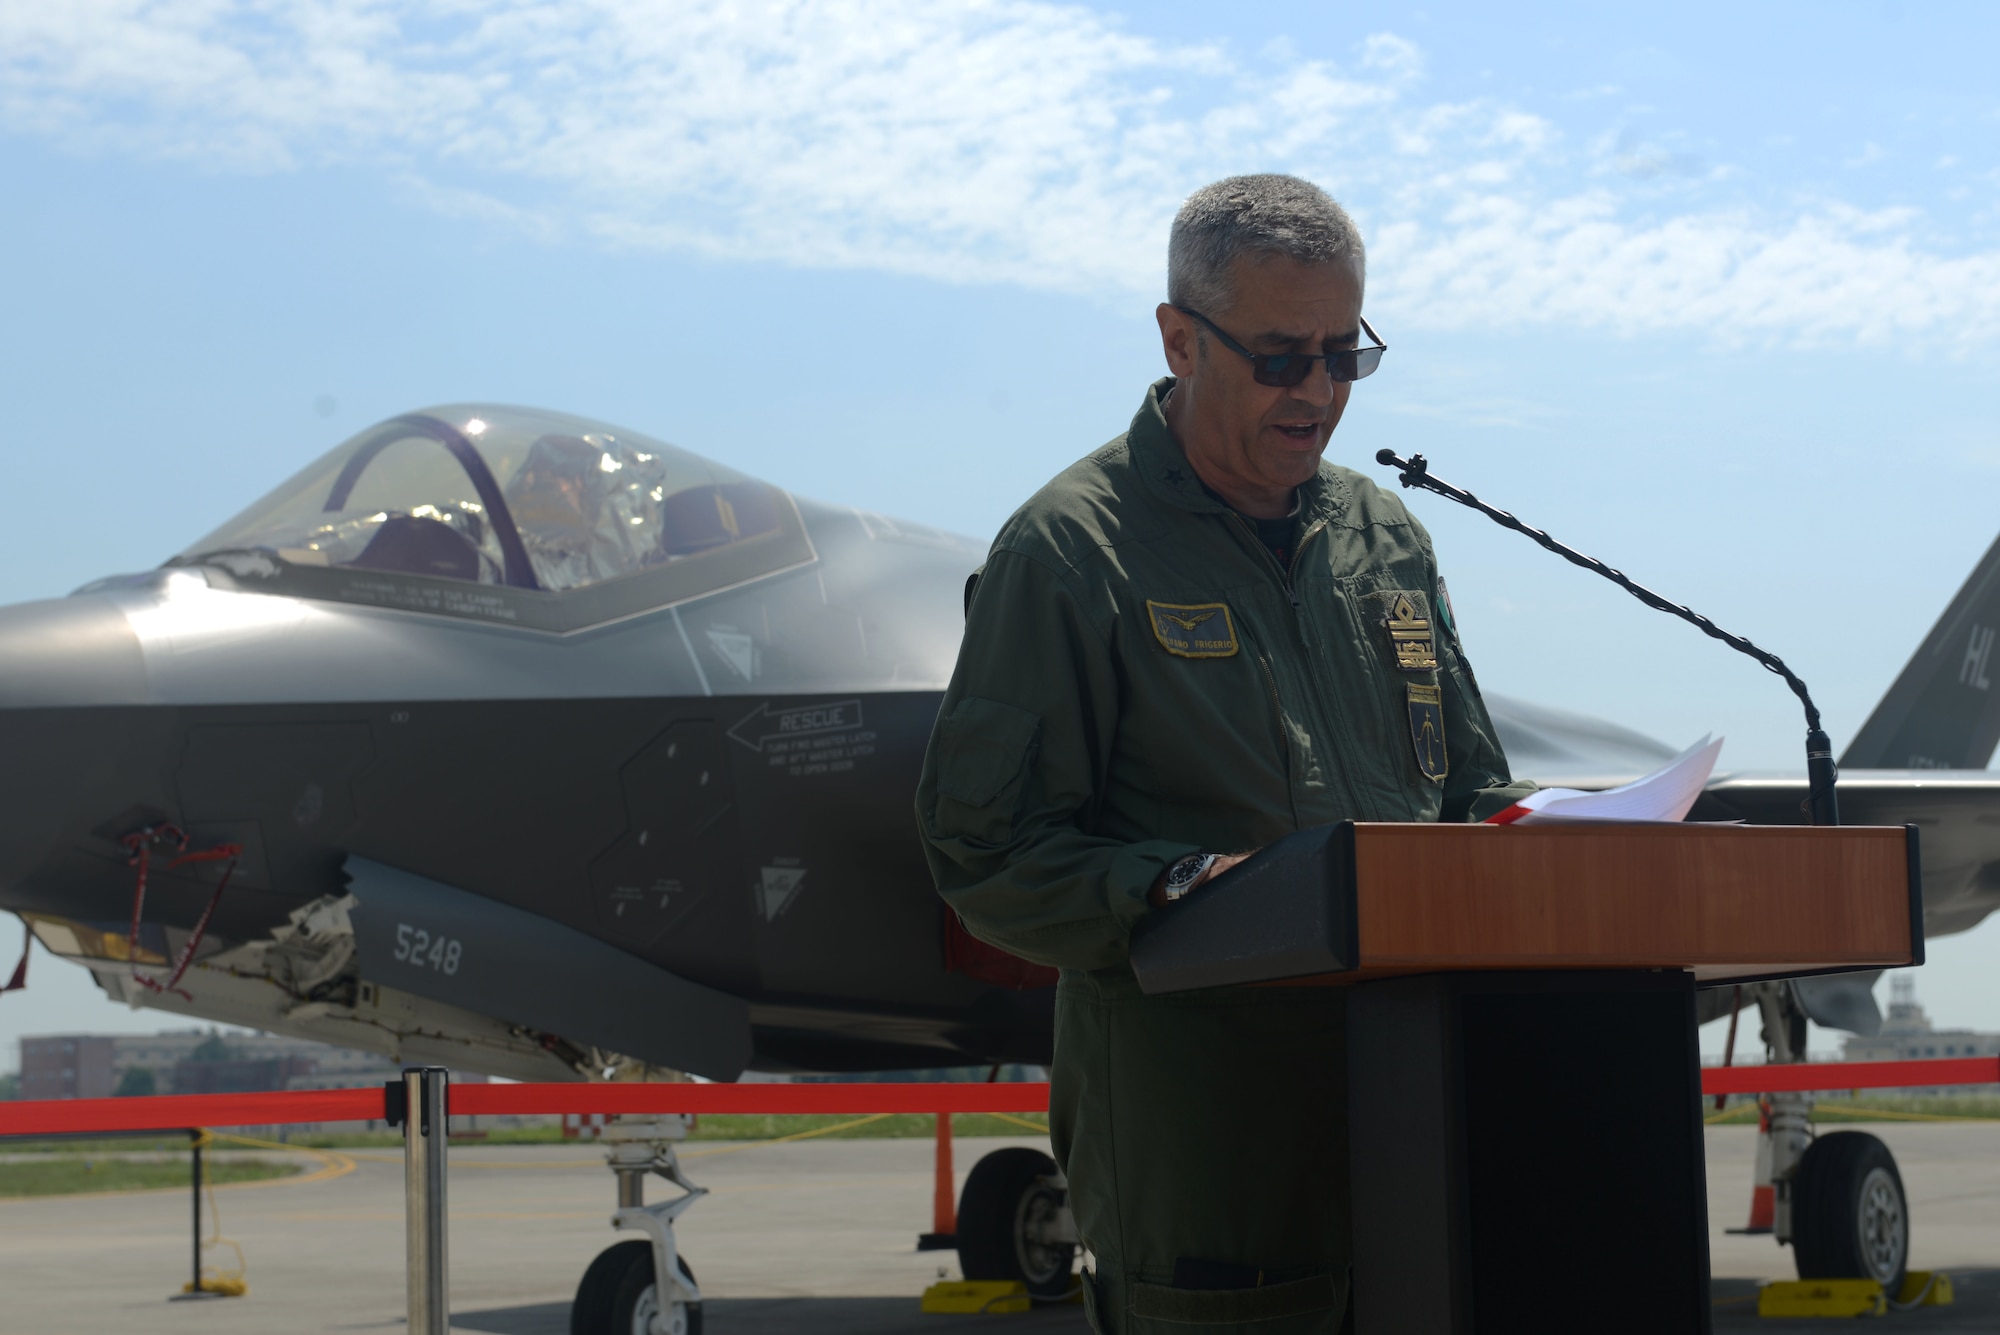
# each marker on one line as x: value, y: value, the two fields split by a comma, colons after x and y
x: 622, y: 1292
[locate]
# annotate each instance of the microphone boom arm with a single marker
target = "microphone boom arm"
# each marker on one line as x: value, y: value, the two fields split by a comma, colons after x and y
x: 1821, y: 804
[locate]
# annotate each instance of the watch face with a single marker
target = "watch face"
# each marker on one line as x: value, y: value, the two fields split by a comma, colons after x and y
x: 1182, y: 873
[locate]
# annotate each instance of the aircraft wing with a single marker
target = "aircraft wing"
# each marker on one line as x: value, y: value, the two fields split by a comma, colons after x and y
x: 1919, y: 759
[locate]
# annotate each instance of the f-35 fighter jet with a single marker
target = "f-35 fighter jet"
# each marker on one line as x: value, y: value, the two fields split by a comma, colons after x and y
x: 532, y: 745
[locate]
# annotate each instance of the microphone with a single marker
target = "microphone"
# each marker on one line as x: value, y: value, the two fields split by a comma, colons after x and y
x: 1821, y: 805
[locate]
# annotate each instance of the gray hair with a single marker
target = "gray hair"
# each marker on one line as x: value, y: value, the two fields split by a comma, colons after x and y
x: 1252, y: 215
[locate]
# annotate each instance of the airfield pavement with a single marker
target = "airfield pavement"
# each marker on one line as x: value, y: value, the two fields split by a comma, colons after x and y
x: 812, y: 1236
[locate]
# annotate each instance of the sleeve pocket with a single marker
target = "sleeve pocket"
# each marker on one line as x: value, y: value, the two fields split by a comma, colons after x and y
x: 983, y: 752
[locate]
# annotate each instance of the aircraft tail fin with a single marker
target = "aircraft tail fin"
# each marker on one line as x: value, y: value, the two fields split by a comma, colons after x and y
x: 1944, y: 710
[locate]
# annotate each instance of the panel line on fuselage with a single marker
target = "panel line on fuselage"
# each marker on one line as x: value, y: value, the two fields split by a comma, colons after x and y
x: 699, y: 674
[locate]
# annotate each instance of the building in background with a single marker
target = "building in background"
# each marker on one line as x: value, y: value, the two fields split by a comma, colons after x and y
x: 1907, y: 1035
x: 68, y: 1066
x: 189, y: 1061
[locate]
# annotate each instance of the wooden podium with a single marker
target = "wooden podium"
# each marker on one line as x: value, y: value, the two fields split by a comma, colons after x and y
x: 1523, y: 1074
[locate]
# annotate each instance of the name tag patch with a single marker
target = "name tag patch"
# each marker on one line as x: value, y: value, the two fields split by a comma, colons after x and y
x: 1193, y: 630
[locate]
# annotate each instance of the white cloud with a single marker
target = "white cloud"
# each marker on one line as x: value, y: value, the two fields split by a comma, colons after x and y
x: 997, y: 140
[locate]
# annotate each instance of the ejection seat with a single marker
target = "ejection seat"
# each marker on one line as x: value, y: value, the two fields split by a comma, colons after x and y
x: 700, y: 518
x: 411, y: 545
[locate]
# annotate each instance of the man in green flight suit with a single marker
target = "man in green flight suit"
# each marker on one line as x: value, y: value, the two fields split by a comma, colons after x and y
x: 1196, y: 640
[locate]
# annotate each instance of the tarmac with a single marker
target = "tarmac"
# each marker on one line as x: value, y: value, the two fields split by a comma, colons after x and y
x: 811, y: 1236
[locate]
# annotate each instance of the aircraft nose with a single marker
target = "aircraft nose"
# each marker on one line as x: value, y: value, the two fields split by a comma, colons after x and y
x: 70, y: 671
x: 68, y: 652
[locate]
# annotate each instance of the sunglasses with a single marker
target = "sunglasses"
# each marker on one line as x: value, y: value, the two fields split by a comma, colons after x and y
x: 1282, y: 370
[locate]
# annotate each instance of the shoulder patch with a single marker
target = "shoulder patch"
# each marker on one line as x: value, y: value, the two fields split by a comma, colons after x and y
x: 1427, y: 730
x: 1410, y: 636
x: 1193, y: 630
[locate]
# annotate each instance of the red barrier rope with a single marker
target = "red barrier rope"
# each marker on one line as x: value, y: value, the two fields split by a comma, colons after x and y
x: 943, y: 1097
x: 279, y: 1108
x: 176, y: 1111
x: 1801, y: 1076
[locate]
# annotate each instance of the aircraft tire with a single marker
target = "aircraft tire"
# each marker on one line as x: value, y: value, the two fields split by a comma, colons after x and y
x: 1009, y: 1198
x: 617, y: 1295
x: 1850, y: 1218
x: 638, y: 1301
x: 590, y: 1310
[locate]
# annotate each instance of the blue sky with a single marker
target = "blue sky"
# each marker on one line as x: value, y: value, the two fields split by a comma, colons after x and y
x: 1712, y: 292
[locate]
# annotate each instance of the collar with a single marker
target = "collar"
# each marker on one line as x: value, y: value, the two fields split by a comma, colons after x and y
x: 1164, y: 465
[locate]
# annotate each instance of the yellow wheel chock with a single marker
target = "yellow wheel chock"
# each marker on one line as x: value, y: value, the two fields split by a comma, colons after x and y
x: 1851, y: 1297
x: 977, y: 1295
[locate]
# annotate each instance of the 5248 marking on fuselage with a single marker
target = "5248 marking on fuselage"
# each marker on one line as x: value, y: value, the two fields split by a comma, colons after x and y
x: 417, y: 946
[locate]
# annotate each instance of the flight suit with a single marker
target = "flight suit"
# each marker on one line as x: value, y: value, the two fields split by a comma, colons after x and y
x: 1141, y: 679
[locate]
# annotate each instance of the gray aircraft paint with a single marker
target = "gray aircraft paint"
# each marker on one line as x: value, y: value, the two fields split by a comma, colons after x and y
x: 449, y: 945
x: 1943, y: 712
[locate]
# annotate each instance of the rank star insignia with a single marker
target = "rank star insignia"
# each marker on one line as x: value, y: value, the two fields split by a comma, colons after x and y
x: 1411, y: 635
x: 1175, y: 476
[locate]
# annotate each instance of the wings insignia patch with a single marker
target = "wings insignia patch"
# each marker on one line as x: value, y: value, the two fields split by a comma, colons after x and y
x: 1193, y: 630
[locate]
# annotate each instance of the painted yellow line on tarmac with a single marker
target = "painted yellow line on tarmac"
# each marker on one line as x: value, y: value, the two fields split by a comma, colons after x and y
x: 333, y: 1164
x: 786, y: 1140
x: 386, y: 1216
x: 595, y: 1161
x: 1021, y: 1121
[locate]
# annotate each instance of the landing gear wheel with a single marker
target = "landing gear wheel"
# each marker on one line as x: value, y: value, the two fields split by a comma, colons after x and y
x: 590, y: 1311
x: 637, y: 1310
x: 1850, y: 1219
x: 1007, y: 1223
x: 617, y: 1296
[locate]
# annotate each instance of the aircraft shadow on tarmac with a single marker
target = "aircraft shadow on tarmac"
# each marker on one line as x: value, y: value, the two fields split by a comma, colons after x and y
x: 1976, y: 1308
x: 784, y: 1316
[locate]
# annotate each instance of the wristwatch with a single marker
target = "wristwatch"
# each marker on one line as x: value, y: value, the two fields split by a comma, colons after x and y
x: 1183, y: 875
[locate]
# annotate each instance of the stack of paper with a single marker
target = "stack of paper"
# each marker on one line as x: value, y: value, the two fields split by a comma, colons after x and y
x: 1664, y: 795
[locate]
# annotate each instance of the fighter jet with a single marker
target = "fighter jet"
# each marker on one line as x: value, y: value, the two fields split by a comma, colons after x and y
x: 549, y: 749
x: 516, y: 742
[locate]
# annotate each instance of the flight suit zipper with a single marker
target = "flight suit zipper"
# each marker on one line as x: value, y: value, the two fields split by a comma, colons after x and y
x: 1284, y: 737
x: 1285, y: 572
x: 1324, y: 734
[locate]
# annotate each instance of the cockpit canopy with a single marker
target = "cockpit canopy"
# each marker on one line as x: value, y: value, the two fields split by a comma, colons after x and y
x: 527, y: 503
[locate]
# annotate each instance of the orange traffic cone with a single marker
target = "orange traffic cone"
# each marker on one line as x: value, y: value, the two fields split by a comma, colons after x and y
x: 943, y: 1236
x: 1763, y: 1199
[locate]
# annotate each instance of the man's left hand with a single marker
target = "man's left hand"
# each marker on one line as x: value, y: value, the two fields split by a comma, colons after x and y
x: 1157, y: 897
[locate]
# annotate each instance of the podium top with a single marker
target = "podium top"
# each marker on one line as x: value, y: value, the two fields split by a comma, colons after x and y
x: 1731, y: 903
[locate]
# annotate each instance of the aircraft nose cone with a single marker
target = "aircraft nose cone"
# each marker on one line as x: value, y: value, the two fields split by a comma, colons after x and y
x: 69, y: 652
